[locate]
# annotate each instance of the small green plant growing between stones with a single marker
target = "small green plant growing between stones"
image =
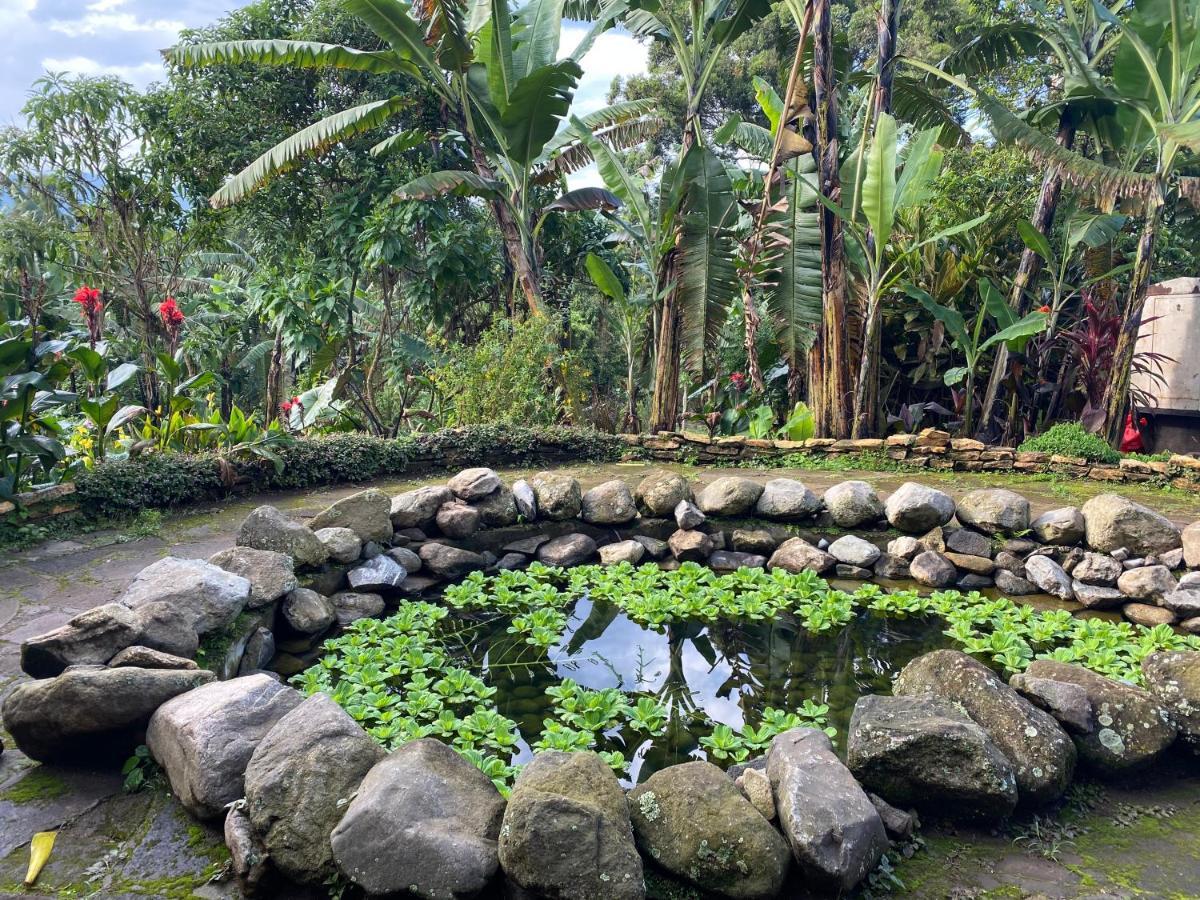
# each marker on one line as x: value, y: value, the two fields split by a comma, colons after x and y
x: 140, y: 770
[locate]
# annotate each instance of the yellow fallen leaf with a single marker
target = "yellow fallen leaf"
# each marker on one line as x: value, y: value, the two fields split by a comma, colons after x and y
x: 39, y: 854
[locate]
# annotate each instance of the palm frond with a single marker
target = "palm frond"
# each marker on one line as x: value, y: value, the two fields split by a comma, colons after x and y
x: 254, y: 356
x: 438, y: 184
x: 308, y: 142
x: 794, y: 244
x: 574, y: 154
x: 298, y: 54
x: 997, y: 48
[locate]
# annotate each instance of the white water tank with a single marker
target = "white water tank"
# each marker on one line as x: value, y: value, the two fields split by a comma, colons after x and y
x: 1171, y: 327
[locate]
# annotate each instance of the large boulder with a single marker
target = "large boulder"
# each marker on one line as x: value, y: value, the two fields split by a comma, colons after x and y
x: 558, y: 495
x: 1097, y: 568
x: 1130, y: 727
x: 367, y: 514
x: 1041, y: 753
x: 854, y: 551
x: 566, y: 831
x: 91, y: 638
x: 610, y: 503
x: 210, y: 597
x: 342, y: 544
x: 729, y: 495
x: 424, y: 823
x: 525, y: 500
x: 91, y: 714
x: 834, y: 830
x: 915, y: 508
x: 969, y: 542
x: 687, y: 515
x: 853, y: 503
x: 786, y: 499
x: 660, y: 492
x: 449, y: 562
x: 994, y: 511
x: 1114, y: 522
x: 164, y: 626
x: 932, y: 569
x: 416, y: 509
x: 350, y: 606
x: 796, y: 555
x: 270, y: 573
x: 1049, y: 576
x: 1173, y: 676
x: 474, y: 484
x: 145, y: 658
x: 380, y: 573
x: 567, y: 550
x: 458, y: 520
x: 692, y: 820
x: 1060, y: 526
x: 307, y: 612
x: 622, y: 552
x: 299, y: 780
x: 204, y: 739
x: 928, y: 753
x: 498, y: 508
x: 1095, y: 596
x: 268, y: 529
x: 690, y: 546
x: 1148, y: 583
x: 1191, y: 545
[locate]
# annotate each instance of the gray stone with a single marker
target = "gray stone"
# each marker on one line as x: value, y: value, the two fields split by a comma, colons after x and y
x: 693, y: 821
x: 1132, y: 729
x: 258, y: 652
x: 1011, y: 562
x: 567, y: 550
x: 688, y: 515
x: 424, y: 823
x: 1189, y: 581
x: 915, y: 508
x: 416, y: 509
x: 558, y: 495
x: 729, y: 495
x: 756, y: 787
x: 1068, y: 703
x: 350, y: 606
x: 994, y: 511
x: 371, y: 550
x: 836, y: 835
x: 90, y: 638
x: 753, y: 540
x: 528, y: 546
x: 1146, y: 615
x: 1013, y: 585
x: 307, y: 611
x: 146, y: 658
x: 91, y: 715
x: 449, y: 562
x: 973, y: 582
x: 654, y: 547
x: 566, y: 831
x: 1060, y: 526
x: 898, y: 824
x: 299, y: 780
x: 660, y: 492
x: 845, y: 570
x: 407, y: 558
x: 1049, y: 576
x: 891, y: 567
x: 342, y: 544
x: 1172, y: 559
x: 512, y: 561
x: 976, y: 565
x: 457, y: 520
x: 1114, y: 522
x: 797, y: 554
x: 247, y: 856
x: 854, y: 551
x: 498, y: 509
x: 934, y: 539
x: 690, y: 546
x: 1149, y: 583
x: 210, y: 597
x: 1093, y: 596
x: 932, y: 569
x: 1041, y: 753
x: 928, y: 753
x: 905, y: 547
x: 610, y: 503
x: 786, y: 499
x: 164, y: 626
x: 367, y: 514
x: 270, y: 573
x: 268, y: 529
x: 1183, y: 602
x: 1190, y: 539
x: 525, y: 500
x: 474, y: 484
x: 1173, y: 677
x: 1097, y: 568
x: 204, y: 739
x: 853, y: 503
x: 971, y: 543
x: 622, y: 552
x: 732, y: 560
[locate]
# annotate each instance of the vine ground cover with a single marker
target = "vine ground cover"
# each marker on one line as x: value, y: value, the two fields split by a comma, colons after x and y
x: 652, y: 667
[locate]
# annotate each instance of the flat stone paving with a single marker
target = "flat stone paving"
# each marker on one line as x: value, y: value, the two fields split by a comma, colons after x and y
x: 1140, y: 839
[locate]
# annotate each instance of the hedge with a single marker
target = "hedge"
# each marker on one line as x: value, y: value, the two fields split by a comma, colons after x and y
x: 166, y: 480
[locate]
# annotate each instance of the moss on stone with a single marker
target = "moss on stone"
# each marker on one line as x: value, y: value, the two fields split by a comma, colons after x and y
x: 38, y: 784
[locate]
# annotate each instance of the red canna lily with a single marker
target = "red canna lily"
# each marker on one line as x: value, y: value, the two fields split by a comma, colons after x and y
x: 172, y: 320
x: 91, y: 304
x: 1044, y: 309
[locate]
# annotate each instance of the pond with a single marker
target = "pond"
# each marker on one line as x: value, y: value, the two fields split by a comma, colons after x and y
x: 652, y: 667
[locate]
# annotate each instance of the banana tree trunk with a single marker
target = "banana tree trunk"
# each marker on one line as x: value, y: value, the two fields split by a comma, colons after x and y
x: 518, y: 253
x: 1030, y: 264
x: 1116, y: 395
x: 275, y: 379
x: 829, y: 375
x: 889, y: 26
x: 751, y: 321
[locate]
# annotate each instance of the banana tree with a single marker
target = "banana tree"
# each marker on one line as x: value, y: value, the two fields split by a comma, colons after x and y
x: 496, y: 75
x: 629, y: 314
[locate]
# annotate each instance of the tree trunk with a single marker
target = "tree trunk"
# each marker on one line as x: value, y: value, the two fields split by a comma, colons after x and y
x: 1027, y: 270
x: 889, y: 26
x: 1117, y: 394
x: 524, y: 266
x: 275, y: 379
x: 751, y: 321
x: 829, y: 377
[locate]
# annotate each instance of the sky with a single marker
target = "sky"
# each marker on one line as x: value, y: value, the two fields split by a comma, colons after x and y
x: 124, y: 37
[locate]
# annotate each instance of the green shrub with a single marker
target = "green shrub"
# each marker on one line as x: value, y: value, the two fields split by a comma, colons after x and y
x: 1069, y: 439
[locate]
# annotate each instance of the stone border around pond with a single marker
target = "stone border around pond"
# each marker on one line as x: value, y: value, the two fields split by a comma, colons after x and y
x: 306, y: 793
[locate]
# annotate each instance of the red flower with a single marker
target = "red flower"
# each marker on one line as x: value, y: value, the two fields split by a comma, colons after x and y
x: 172, y: 320
x: 738, y: 380
x: 286, y: 407
x: 92, y: 306
x: 1043, y: 309
x: 1143, y: 421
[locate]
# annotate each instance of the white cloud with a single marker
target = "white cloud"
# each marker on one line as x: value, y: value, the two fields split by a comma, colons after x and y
x: 140, y: 75
x: 107, y: 22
